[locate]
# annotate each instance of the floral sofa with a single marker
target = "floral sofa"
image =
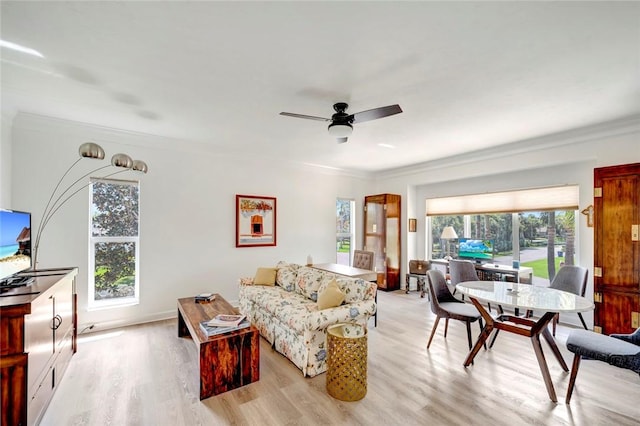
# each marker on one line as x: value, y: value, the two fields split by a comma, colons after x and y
x: 287, y: 313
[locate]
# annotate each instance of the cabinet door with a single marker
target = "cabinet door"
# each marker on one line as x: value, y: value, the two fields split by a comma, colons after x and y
x: 374, y: 230
x: 63, y: 311
x: 39, y: 342
x: 616, y: 250
x: 392, y: 243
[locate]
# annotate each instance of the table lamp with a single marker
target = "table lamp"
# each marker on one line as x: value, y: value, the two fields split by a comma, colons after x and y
x: 448, y: 233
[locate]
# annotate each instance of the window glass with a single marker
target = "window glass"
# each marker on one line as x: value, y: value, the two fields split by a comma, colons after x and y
x: 498, y: 229
x: 114, y: 244
x: 441, y: 247
x: 542, y: 241
x: 547, y: 241
x: 345, y: 230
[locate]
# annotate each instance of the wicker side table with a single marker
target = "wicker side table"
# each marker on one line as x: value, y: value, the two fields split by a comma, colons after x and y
x: 347, y: 361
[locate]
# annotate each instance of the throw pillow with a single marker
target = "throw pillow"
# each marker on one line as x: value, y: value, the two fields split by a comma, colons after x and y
x: 265, y: 276
x: 331, y: 296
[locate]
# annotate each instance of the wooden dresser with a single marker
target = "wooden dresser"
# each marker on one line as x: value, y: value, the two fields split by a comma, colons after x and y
x: 38, y: 331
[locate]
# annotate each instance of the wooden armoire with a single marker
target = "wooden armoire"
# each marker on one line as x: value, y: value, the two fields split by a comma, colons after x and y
x: 616, y: 268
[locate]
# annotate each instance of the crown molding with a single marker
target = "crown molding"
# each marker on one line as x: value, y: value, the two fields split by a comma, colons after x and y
x: 582, y: 135
x: 103, y: 134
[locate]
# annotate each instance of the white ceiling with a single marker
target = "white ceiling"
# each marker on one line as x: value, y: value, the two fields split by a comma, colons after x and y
x: 468, y: 75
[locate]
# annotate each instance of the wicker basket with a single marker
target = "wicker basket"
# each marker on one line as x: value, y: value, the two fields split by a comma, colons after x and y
x: 347, y: 361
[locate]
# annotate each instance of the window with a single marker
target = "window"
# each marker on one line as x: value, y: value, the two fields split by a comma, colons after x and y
x: 546, y: 239
x: 542, y: 239
x: 345, y: 230
x: 114, y: 243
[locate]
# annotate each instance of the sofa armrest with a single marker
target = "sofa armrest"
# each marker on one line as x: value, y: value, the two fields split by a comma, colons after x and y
x: 350, y: 312
x: 245, y: 281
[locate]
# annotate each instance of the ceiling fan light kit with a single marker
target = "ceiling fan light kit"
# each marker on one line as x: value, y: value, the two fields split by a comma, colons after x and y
x: 340, y: 130
x: 341, y: 122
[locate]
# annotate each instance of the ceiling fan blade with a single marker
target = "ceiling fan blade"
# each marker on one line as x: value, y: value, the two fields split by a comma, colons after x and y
x: 308, y: 117
x: 341, y: 140
x: 373, y: 114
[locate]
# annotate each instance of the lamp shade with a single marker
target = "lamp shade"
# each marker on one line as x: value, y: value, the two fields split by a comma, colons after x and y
x: 340, y: 130
x: 91, y: 150
x: 140, y: 166
x: 448, y: 233
x: 122, y: 160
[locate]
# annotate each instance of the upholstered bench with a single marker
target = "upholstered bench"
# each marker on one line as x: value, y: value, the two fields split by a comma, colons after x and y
x: 619, y: 350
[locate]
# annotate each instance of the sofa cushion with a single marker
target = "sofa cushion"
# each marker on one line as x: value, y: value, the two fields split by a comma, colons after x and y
x: 265, y: 276
x: 274, y: 299
x: 309, y: 281
x: 286, y: 275
x: 331, y: 296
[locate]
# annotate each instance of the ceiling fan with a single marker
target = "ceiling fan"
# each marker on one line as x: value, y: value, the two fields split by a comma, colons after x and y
x: 341, y: 124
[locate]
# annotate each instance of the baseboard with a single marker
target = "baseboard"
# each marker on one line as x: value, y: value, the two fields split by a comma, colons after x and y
x: 108, y: 325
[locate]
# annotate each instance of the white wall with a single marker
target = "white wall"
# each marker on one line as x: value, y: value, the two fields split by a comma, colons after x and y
x: 187, y: 207
x: 5, y: 161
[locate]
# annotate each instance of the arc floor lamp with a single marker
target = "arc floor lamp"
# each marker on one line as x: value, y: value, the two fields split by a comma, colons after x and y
x: 89, y: 150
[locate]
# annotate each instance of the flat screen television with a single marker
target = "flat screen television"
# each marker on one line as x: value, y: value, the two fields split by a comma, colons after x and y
x: 15, y: 242
x: 475, y: 249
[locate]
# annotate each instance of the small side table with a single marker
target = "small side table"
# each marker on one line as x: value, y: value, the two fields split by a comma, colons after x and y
x: 347, y: 361
x: 420, y: 282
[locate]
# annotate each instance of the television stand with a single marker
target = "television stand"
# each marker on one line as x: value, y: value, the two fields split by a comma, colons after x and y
x: 44, y: 317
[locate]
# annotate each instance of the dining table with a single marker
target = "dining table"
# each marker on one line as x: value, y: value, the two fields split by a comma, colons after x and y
x: 526, y: 297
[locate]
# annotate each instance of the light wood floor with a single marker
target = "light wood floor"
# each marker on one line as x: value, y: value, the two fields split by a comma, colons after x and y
x: 146, y: 375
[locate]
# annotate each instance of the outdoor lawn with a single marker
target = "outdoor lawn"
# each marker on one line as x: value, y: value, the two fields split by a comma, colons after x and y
x: 540, y: 266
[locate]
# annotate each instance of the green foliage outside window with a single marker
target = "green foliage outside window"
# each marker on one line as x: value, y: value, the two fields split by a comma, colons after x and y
x: 115, y: 270
x: 343, y: 225
x: 115, y: 210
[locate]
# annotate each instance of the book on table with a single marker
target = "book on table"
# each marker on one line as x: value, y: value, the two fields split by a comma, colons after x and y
x: 226, y: 320
x: 205, y: 297
x: 212, y: 330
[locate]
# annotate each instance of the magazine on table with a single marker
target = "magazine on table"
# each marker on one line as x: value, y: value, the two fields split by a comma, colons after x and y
x: 212, y: 330
x: 226, y: 320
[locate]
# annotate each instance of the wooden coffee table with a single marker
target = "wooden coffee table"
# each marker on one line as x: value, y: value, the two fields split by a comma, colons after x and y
x: 227, y: 361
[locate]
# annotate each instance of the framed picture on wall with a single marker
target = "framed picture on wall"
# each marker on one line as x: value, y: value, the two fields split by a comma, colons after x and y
x: 413, y: 224
x: 255, y: 221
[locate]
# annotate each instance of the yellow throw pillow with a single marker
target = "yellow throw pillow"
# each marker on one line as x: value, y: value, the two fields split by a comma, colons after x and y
x: 265, y: 276
x: 331, y: 296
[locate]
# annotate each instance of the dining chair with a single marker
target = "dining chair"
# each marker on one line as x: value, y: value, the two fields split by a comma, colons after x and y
x: 444, y: 305
x: 461, y: 271
x: 572, y: 279
x: 363, y: 259
x: 619, y: 350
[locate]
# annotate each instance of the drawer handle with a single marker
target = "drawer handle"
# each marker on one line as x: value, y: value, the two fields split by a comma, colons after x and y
x: 56, y: 322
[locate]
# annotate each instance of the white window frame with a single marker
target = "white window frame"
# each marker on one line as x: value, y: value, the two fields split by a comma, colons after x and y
x: 93, y: 304
x: 352, y: 231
